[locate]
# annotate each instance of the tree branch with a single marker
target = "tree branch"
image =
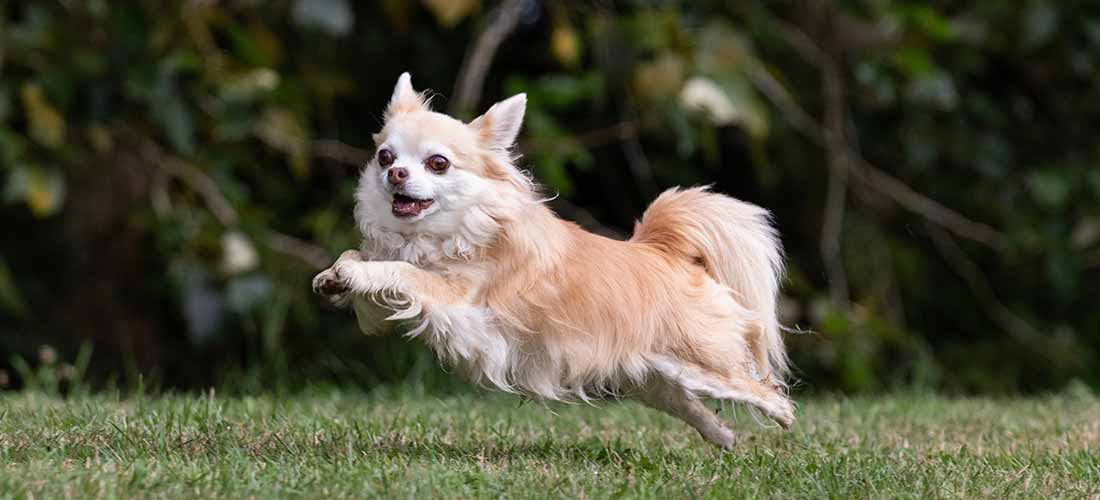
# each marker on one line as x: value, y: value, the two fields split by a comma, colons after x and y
x: 795, y: 116
x: 3, y: 28
x: 928, y: 208
x: 618, y: 132
x: 1092, y: 260
x: 972, y: 275
x: 197, y: 180
x: 868, y: 174
x: 837, y: 149
x: 639, y: 165
x: 223, y: 210
x: 584, y: 218
x: 471, y: 77
x: 340, y: 152
x: 307, y: 252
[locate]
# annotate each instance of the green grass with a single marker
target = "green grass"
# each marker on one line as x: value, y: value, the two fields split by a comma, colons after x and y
x: 478, y: 445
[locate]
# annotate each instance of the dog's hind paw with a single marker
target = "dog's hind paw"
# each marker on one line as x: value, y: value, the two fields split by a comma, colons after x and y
x: 785, y: 415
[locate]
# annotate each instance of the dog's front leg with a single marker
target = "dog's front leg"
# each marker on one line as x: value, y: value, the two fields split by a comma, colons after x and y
x: 391, y: 283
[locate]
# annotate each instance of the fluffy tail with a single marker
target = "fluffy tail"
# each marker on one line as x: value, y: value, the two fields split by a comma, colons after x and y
x: 739, y: 248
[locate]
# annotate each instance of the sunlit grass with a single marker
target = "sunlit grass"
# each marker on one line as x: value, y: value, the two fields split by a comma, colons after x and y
x: 338, y: 444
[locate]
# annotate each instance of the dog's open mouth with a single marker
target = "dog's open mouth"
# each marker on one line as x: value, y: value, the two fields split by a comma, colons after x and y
x: 407, y: 206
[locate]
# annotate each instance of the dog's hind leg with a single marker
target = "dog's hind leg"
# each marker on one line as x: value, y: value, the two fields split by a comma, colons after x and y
x: 674, y: 400
x: 736, y: 387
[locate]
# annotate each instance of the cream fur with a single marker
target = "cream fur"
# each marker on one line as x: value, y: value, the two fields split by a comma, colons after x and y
x: 517, y: 299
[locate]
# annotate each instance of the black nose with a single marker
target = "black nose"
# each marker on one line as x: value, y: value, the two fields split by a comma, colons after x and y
x: 397, y: 175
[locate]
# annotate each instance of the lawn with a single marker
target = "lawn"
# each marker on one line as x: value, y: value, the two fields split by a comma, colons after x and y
x: 485, y: 445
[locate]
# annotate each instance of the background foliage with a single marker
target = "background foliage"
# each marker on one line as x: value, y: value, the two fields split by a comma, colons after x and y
x: 174, y: 172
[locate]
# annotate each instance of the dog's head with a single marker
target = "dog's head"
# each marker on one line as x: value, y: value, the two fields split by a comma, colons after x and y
x: 435, y: 175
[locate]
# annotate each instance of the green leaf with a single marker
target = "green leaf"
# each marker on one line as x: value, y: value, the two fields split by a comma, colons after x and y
x: 560, y: 91
x: 37, y: 30
x: 281, y: 130
x: 661, y: 78
x: 935, y: 88
x: 327, y: 84
x: 836, y: 323
x: 451, y: 12
x: 47, y: 125
x: 565, y: 44
x: 10, y: 298
x: 245, y: 47
x: 169, y: 109
x: 43, y: 190
x: 652, y: 29
x: 1093, y: 179
x: 914, y: 62
x: 931, y: 23
x: 245, y: 293
x: 1049, y: 188
x: 724, y: 49
x: 334, y: 17
x: 5, y: 103
x: 1040, y: 24
x: 12, y: 148
x: 250, y: 84
x: 550, y: 169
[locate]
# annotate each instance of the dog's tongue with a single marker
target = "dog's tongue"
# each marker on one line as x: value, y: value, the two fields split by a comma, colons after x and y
x: 404, y: 206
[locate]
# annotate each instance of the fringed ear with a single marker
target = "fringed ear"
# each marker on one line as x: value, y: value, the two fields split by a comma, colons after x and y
x: 405, y: 99
x: 499, y: 127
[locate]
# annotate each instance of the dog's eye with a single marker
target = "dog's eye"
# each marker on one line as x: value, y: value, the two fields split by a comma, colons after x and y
x: 385, y: 157
x: 438, y: 163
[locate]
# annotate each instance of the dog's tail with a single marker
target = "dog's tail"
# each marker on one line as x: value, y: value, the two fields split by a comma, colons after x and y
x: 739, y: 248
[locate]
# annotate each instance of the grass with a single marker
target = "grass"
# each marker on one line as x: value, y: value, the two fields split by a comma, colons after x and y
x: 480, y: 445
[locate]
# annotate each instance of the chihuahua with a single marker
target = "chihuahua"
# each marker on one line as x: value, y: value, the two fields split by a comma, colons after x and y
x: 460, y: 248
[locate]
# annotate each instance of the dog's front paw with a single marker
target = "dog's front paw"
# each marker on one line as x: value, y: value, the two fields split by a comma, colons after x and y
x: 329, y: 283
x: 333, y: 282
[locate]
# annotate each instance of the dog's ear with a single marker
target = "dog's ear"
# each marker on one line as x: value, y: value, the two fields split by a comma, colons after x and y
x: 404, y: 99
x: 499, y: 127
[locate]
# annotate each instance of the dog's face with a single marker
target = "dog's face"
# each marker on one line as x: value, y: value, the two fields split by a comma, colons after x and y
x: 430, y: 170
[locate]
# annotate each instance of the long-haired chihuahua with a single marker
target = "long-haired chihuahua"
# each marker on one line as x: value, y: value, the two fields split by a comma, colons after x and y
x: 460, y: 248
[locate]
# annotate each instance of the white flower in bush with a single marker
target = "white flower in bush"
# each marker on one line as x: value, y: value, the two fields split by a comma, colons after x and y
x: 703, y: 95
x: 238, y: 253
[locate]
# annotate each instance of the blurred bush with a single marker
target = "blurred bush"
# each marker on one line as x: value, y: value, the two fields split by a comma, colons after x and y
x: 174, y: 172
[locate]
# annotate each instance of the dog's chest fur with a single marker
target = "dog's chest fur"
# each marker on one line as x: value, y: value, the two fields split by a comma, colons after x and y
x: 473, y: 338
x: 468, y: 338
